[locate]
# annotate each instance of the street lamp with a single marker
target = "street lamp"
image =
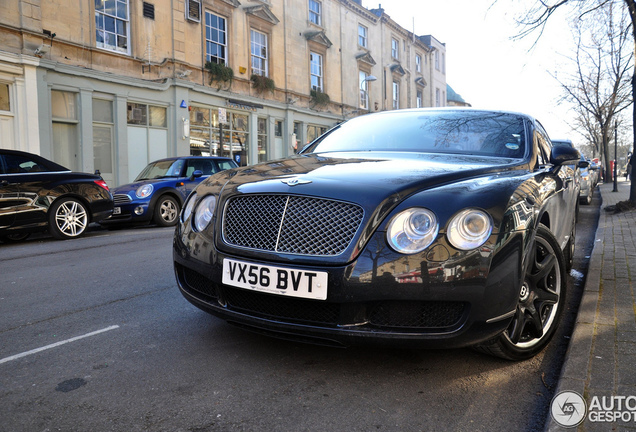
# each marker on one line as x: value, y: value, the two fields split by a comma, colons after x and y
x: 364, y: 92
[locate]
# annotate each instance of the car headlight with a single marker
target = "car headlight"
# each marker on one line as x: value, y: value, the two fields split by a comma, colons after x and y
x: 412, y: 230
x: 187, y: 210
x: 144, y: 191
x: 469, y: 229
x: 204, y: 212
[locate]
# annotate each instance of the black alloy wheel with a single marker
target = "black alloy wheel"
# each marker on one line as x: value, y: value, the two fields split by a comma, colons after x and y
x: 541, y: 302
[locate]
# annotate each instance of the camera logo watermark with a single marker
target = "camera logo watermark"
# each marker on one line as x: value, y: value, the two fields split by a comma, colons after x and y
x: 568, y: 409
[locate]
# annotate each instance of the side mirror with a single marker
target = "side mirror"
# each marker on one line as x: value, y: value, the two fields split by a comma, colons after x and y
x: 584, y: 164
x: 196, y: 174
x: 564, y: 155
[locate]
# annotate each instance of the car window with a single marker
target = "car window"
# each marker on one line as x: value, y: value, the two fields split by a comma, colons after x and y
x: 15, y: 164
x: 226, y: 164
x: 473, y: 133
x: 205, y: 166
x: 544, y: 147
x: 161, y: 169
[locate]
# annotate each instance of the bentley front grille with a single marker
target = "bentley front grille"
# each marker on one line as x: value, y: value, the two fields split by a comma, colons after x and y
x: 291, y: 224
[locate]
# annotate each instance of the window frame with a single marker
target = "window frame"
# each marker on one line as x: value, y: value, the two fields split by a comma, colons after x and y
x: 395, y: 49
x: 263, y: 60
x: 320, y: 75
x: 363, y: 39
x: 395, y: 94
x: 418, y: 63
x: 315, y: 16
x: 208, y: 56
x: 101, y: 25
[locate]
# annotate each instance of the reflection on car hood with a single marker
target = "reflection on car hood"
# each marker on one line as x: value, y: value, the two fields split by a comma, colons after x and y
x: 347, y: 175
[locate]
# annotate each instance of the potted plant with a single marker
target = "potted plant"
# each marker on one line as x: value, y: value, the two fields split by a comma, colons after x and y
x: 221, y: 73
x: 319, y: 98
x: 262, y: 83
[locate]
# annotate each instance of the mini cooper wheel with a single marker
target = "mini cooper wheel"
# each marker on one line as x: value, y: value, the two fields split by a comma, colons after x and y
x: 541, y: 300
x: 166, y: 211
x: 68, y: 218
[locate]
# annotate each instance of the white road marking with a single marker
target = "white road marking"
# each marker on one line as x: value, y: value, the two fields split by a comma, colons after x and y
x: 57, y: 344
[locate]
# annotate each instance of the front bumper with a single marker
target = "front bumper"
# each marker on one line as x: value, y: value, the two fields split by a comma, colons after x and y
x: 128, y: 214
x: 437, y: 313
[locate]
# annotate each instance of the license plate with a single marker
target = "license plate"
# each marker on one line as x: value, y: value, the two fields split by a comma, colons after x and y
x: 275, y: 280
x: 117, y: 210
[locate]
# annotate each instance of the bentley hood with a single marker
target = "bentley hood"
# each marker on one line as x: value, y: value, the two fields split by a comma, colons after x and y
x: 365, y: 178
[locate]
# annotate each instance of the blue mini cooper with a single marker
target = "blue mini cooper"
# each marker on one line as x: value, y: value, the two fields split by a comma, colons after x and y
x: 158, y: 192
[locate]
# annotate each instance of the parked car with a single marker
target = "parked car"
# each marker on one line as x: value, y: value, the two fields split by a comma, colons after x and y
x: 158, y: 192
x: 587, y: 181
x: 37, y: 194
x: 419, y: 228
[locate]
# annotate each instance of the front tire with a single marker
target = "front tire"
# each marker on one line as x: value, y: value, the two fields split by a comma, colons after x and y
x: 166, y: 211
x: 14, y: 238
x: 541, y: 303
x: 68, y: 218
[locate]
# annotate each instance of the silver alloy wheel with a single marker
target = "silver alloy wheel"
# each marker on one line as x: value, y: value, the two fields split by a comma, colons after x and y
x: 167, y: 211
x: 70, y: 219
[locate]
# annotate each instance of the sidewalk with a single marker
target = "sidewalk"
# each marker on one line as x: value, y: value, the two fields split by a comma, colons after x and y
x: 601, y: 358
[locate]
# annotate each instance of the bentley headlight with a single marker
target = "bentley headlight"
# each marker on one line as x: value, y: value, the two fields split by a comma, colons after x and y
x: 144, y: 191
x: 204, y: 212
x: 469, y: 229
x: 187, y: 210
x: 412, y: 230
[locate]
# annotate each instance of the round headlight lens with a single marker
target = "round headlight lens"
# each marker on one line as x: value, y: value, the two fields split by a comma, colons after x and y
x: 204, y: 212
x: 187, y: 210
x: 144, y: 191
x: 469, y: 229
x: 413, y: 230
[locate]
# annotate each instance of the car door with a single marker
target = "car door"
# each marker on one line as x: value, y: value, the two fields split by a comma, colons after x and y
x: 562, y: 204
x: 9, y: 200
x: 206, y: 166
x: 21, y: 180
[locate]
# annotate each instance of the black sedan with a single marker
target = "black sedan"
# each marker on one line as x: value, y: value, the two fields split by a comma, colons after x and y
x: 37, y: 194
x: 419, y: 228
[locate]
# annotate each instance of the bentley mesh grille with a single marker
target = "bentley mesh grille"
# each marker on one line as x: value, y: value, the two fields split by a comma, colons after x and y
x: 291, y: 224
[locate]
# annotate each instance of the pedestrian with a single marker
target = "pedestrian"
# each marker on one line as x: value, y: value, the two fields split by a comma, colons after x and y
x: 628, y: 171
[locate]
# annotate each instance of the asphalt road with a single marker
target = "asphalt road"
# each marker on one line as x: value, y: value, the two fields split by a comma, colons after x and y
x: 94, y: 336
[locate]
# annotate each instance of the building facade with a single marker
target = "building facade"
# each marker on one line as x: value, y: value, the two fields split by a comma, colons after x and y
x: 110, y: 85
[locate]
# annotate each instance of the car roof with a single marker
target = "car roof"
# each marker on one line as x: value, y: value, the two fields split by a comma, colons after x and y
x: 50, y: 163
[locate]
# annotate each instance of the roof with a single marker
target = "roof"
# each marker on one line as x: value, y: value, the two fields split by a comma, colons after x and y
x: 452, y: 95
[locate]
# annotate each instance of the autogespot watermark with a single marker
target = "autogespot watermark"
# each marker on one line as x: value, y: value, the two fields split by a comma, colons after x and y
x: 569, y: 409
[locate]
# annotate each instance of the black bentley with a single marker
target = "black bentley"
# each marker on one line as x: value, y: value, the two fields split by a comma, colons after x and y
x: 37, y: 194
x: 419, y: 228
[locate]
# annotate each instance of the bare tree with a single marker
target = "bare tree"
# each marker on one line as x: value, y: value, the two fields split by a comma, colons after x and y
x: 538, y: 14
x: 600, y: 89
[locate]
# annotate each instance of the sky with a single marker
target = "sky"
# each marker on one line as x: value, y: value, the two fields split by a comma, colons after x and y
x: 485, y: 66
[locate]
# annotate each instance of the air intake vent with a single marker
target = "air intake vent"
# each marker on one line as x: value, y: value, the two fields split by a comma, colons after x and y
x: 193, y: 10
x: 149, y: 10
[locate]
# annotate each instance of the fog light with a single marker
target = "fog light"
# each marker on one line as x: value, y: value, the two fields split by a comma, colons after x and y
x: 139, y: 210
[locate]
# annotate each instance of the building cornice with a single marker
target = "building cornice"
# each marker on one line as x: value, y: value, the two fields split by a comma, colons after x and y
x: 360, y: 10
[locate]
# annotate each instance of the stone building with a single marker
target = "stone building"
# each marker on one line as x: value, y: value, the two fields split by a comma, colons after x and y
x: 113, y: 84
